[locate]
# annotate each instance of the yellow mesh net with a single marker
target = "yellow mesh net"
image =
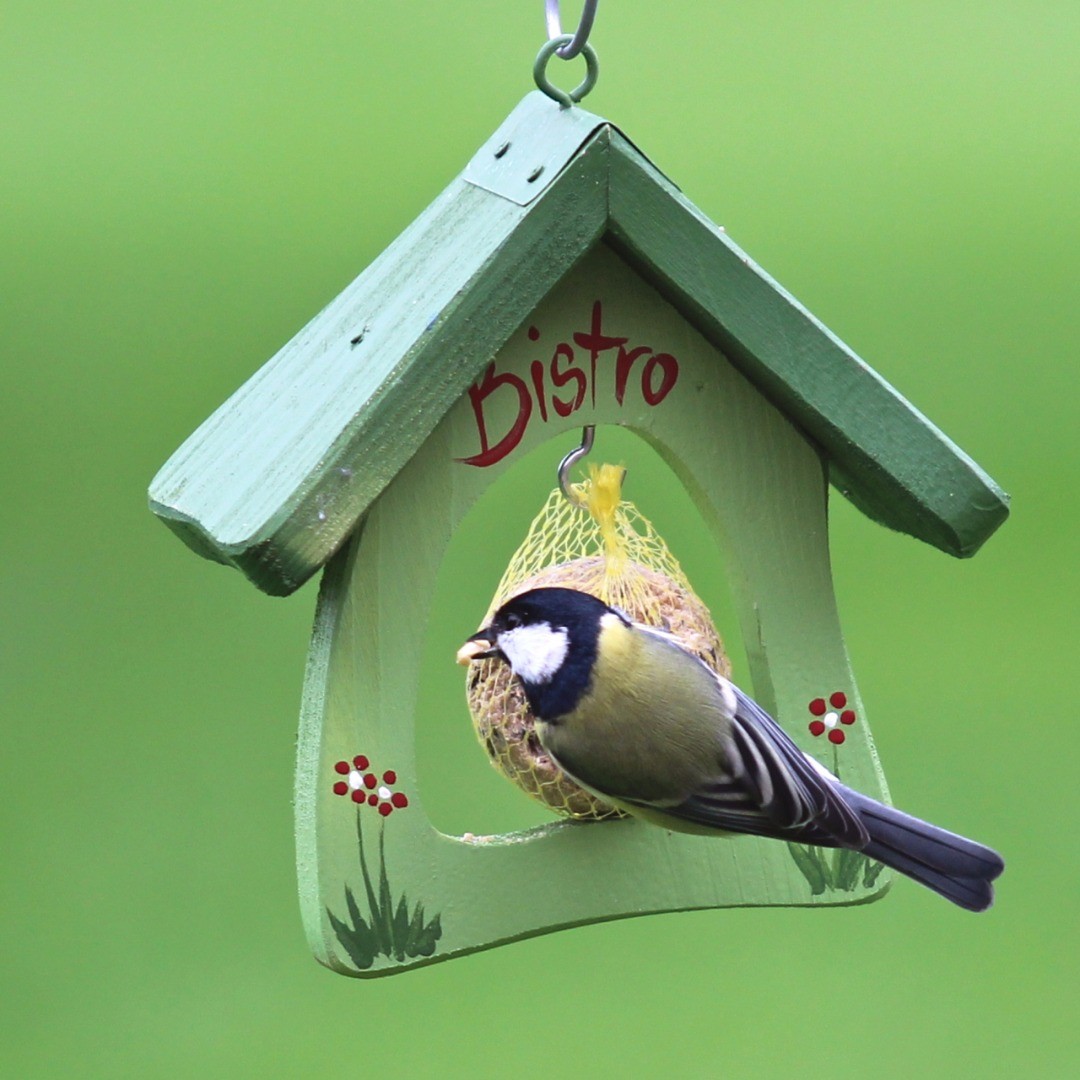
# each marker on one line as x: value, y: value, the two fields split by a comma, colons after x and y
x: 605, y: 547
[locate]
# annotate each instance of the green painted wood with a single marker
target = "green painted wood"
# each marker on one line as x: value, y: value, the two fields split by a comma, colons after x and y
x: 884, y: 455
x: 278, y: 477
x: 761, y: 487
x: 530, y: 149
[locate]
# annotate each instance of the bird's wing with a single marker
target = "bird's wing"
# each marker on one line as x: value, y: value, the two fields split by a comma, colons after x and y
x: 769, y: 786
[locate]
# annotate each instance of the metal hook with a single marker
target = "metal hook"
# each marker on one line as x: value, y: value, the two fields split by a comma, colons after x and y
x: 581, y: 35
x: 588, y: 435
x: 564, y: 98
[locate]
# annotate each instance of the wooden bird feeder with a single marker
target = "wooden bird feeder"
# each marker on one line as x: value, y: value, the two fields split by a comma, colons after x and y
x: 560, y: 280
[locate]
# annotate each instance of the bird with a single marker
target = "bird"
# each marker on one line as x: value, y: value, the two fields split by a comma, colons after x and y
x: 633, y: 717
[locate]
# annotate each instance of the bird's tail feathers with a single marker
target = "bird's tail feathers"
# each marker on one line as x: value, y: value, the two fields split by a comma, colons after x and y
x: 959, y: 869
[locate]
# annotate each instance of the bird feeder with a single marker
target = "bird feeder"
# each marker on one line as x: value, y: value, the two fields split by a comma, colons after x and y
x: 560, y: 281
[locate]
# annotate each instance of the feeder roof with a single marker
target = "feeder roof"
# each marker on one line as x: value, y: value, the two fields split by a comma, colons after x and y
x: 282, y: 472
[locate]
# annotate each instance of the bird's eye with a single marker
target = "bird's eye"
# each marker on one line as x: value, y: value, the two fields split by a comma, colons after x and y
x: 513, y: 619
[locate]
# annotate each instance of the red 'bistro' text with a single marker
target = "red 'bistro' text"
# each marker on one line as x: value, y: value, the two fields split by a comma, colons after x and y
x: 562, y: 383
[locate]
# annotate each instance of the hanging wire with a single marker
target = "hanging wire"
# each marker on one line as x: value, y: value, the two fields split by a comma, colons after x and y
x: 581, y: 35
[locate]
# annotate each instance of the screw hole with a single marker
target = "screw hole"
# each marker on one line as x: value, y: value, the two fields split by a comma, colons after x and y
x: 502, y: 149
x: 535, y: 174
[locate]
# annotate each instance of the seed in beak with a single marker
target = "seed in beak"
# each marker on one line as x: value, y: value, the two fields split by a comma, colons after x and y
x: 473, y: 649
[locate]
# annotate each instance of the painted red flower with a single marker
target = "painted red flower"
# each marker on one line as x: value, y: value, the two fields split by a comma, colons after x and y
x: 828, y: 714
x: 367, y: 788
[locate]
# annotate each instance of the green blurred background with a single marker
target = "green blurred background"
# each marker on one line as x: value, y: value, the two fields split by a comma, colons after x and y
x: 182, y: 186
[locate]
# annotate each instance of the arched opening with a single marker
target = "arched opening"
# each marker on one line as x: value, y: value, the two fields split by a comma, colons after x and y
x: 462, y: 792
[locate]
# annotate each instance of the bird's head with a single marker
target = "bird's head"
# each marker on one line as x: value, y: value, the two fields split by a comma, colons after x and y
x: 549, y: 638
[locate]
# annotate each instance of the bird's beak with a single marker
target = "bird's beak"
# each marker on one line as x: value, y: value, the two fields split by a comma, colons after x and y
x: 479, y: 647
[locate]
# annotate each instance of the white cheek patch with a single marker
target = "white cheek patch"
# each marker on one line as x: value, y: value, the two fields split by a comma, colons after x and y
x: 536, y: 652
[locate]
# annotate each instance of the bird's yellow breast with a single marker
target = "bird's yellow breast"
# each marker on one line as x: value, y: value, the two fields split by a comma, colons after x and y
x: 650, y: 725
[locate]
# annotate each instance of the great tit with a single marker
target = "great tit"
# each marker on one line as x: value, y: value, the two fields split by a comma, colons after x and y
x: 634, y: 718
